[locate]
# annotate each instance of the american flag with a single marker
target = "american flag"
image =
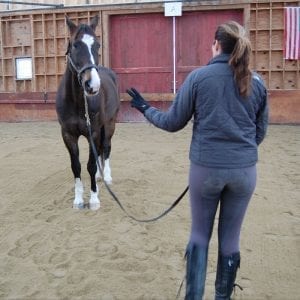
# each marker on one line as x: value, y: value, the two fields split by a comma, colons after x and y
x: 292, y: 32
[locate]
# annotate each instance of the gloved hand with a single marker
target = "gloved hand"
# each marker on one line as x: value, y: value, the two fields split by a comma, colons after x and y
x: 137, y: 100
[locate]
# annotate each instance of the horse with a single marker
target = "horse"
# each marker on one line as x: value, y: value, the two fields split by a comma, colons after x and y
x: 85, y: 85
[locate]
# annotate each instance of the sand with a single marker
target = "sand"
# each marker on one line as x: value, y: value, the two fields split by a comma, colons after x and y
x: 50, y: 251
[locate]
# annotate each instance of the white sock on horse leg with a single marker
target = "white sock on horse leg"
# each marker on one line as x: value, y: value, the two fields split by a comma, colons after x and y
x: 94, y: 200
x: 78, y: 201
x: 98, y: 174
x: 107, y: 172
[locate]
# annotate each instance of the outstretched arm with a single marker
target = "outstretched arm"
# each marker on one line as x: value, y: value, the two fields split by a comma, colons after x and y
x: 179, y: 113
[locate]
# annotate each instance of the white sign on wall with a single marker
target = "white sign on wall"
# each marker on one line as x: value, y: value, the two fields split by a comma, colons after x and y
x: 23, y: 68
x: 173, y: 9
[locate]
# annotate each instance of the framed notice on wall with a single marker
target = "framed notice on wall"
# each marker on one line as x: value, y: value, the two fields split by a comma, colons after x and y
x: 23, y: 68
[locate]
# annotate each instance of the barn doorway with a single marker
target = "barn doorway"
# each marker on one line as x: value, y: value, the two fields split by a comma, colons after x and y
x: 141, y: 47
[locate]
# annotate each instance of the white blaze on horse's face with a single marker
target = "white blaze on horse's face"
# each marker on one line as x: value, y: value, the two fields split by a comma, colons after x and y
x: 95, y: 79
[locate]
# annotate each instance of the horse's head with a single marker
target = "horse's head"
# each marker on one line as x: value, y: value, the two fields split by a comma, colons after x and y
x: 83, y: 54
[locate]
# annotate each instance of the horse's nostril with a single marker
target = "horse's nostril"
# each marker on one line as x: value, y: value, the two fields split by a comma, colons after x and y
x: 89, y: 89
x: 87, y: 86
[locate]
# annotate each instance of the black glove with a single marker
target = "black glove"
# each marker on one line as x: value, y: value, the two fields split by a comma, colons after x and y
x: 137, y: 100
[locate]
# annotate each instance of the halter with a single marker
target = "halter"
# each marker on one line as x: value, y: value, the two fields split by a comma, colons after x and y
x: 82, y: 70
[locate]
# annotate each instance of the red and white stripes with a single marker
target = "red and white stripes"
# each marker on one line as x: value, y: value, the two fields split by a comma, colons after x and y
x: 292, y: 33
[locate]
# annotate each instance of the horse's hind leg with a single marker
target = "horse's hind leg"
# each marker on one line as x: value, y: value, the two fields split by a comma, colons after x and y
x: 100, y: 153
x: 94, y: 201
x: 109, y: 131
x: 106, y: 155
x: 71, y: 143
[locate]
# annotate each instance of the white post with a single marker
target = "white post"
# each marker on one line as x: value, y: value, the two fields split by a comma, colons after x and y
x: 174, y: 55
x: 173, y: 9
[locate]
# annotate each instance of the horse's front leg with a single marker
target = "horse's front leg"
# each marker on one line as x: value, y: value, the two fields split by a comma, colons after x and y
x: 71, y: 143
x: 94, y: 201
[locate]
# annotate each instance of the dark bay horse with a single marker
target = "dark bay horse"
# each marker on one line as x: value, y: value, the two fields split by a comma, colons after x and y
x: 82, y: 81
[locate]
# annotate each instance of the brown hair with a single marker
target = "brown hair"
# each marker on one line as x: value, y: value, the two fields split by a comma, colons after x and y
x: 233, y: 40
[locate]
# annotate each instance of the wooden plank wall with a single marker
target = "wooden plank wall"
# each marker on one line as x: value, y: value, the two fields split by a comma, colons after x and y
x: 267, y: 35
x: 42, y: 36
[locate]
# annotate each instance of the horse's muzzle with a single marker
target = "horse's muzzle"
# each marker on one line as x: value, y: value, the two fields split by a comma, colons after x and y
x: 89, y: 91
x: 91, y: 82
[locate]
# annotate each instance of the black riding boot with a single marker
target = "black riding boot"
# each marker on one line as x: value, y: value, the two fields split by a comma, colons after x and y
x: 196, y: 262
x: 226, y: 274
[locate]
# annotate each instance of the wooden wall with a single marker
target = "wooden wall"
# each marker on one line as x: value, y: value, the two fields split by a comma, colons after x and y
x: 267, y: 35
x: 42, y: 35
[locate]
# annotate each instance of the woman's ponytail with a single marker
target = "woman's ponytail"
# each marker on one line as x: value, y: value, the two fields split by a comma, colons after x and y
x: 233, y: 40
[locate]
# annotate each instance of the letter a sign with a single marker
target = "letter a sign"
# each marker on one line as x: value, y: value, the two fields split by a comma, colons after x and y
x: 173, y: 9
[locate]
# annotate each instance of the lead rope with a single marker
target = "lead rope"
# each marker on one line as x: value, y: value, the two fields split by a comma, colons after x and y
x: 87, y: 117
x: 88, y: 123
x: 180, y: 287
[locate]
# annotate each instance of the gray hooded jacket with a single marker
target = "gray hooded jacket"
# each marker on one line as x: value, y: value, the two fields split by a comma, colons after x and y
x: 226, y: 127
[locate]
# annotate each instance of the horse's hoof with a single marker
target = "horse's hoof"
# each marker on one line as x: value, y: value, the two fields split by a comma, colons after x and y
x: 78, y: 206
x: 94, y: 206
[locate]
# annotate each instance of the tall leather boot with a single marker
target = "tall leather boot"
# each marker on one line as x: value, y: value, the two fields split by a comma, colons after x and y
x: 226, y: 274
x: 196, y: 262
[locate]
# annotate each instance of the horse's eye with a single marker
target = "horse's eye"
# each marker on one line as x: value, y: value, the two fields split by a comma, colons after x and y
x: 75, y: 45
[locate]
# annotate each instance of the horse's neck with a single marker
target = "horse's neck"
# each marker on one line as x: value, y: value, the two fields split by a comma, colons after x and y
x: 72, y: 84
x: 74, y: 92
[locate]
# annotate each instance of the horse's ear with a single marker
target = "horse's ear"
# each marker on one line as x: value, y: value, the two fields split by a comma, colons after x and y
x: 69, y: 48
x: 72, y: 27
x: 94, y: 22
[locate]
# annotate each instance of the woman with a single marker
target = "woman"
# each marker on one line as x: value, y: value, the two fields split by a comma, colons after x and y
x: 228, y: 104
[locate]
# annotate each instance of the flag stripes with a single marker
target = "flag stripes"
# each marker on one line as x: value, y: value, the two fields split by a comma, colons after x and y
x: 292, y: 32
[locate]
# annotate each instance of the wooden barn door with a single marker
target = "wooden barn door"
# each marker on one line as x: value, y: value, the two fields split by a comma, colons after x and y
x: 195, y: 34
x: 141, y: 53
x: 141, y: 47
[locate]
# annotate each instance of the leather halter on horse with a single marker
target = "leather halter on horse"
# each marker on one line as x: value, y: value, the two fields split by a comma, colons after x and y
x: 82, y: 70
